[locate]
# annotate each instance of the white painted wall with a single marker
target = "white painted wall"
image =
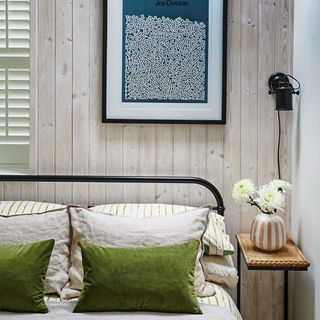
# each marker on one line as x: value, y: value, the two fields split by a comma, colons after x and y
x: 306, y: 157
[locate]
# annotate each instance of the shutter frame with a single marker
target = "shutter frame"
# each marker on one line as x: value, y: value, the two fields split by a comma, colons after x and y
x: 14, y: 72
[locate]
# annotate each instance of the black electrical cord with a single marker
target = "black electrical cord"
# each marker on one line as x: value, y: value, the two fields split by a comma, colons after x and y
x: 279, y: 141
x: 295, y: 89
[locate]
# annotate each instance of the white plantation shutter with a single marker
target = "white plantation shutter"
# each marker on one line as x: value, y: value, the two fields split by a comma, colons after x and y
x: 14, y: 72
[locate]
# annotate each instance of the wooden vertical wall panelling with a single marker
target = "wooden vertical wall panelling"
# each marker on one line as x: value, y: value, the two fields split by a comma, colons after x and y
x: 198, y: 161
x: 63, y: 94
x: 266, y: 150
x: 130, y: 155
x: 147, y: 160
x: 68, y: 136
x: 249, y: 136
x: 46, y: 97
x: 81, y: 98
x: 29, y: 189
x: 181, y: 162
x: 232, y: 139
x: 283, y: 62
x: 97, y: 133
x: 164, y: 156
x: 114, y: 162
x: 12, y: 191
x: 215, y: 158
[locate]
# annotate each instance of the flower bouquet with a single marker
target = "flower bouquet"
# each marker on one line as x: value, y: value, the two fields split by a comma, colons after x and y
x: 268, y: 229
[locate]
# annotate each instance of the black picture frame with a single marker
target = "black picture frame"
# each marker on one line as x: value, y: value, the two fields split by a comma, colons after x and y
x: 222, y: 121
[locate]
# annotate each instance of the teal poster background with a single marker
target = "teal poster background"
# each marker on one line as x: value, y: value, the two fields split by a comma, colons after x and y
x: 195, y: 10
x: 165, y: 51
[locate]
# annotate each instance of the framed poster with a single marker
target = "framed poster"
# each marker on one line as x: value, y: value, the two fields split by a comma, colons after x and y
x: 164, y: 61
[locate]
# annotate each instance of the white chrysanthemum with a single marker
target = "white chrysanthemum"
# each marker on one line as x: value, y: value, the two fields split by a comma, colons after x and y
x: 270, y: 199
x: 280, y: 185
x: 243, y: 190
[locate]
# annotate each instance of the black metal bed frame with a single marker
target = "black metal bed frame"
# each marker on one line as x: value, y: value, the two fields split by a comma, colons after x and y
x: 122, y: 179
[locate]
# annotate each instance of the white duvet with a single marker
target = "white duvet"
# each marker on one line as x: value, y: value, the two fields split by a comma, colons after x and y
x: 63, y: 311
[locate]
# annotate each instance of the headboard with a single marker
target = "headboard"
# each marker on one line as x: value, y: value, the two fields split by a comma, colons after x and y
x: 122, y: 179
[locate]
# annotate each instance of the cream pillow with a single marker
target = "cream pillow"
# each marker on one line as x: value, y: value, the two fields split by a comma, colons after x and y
x: 220, y: 270
x: 28, y: 228
x: 120, y: 231
x: 216, y: 240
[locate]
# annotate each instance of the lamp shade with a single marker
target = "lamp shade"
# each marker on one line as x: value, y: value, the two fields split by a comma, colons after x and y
x: 284, y: 98
x: 280, y: 85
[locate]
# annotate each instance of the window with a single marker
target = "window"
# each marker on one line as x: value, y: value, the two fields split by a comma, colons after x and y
x: 14, y: 83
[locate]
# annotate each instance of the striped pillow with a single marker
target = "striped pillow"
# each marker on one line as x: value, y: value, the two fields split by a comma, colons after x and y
x: 12, y: 208
x: 221, y: 299
x: 216, y: 240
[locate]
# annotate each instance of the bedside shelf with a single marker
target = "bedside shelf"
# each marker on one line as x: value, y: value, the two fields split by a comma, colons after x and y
x: 288, y: 258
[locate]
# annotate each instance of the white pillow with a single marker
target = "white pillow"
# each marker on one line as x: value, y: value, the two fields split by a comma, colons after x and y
x: 220, y: 269
x: 28, y: 228
x: 120, y: 231
x: 215, y: 239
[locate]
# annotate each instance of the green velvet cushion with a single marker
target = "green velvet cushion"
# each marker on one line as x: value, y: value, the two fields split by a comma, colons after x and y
x: 157, y: 279
x: 22, y: 276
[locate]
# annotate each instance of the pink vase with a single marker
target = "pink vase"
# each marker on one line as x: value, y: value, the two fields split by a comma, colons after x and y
x: 268, y: 232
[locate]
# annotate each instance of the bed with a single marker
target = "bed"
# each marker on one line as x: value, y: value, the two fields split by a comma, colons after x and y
x: 218, y: 306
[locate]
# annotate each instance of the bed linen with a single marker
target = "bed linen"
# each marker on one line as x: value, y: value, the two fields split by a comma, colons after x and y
x: 63, y: 311
x: 216, y: 307
x: 221, y: 270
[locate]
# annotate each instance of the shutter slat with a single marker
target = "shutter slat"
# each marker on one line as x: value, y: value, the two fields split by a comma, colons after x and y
x: 18, y: 94
x: 18, y: 85
x: 19, y: 34
x: 18, y: 122
x: 19, y: 24
x: 18, y: 113
x: 14, y: 140
x: 18, y: 15
x: 13, y: 53
x: 18, y: 131
x: 19, y: 43
x: 18, y: 103
x: 18, y: 74
x: 18, y: 5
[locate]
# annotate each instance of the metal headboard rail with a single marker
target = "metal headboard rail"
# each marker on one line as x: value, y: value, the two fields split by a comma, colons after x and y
x: 122, y: 179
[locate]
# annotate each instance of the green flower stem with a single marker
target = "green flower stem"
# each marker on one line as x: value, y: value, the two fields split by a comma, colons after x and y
x: 255, y: 204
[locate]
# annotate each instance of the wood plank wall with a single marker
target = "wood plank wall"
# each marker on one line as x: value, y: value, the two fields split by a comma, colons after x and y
x: 69, y: 138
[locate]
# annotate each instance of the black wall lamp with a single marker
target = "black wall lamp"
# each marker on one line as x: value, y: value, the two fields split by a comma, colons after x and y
x: 279, y: 84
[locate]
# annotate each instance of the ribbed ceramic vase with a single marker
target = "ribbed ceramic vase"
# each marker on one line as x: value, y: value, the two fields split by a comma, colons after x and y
x: 268, y: 232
